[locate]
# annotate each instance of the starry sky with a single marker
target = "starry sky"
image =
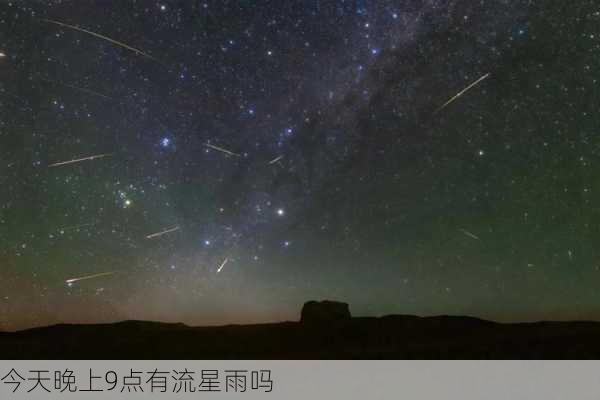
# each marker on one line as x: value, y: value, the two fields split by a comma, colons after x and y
x: 216, y: 162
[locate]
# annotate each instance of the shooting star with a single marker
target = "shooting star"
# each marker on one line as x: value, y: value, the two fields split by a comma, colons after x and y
x: 465, y: 90
x: 73, y: 280
x: 469, y: 234
x: 176, y: 228
x: 273, y: 161
x: 84, y: 90
x: 222, y: 150
x: 70, y: 228
x: 58, y: 164
x: 223, y: 264
x: 115, y: 42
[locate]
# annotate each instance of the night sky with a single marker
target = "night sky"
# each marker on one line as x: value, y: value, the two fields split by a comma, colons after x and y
x: 253, y: 155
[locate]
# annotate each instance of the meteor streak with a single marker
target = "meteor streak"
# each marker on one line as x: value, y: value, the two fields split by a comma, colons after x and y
x: 273, y: 161
x: 70, y: 228
x: 84, y: 90
x: 469, y: 234
x: 176, y: 228
x: 222, y: 150
x: 465, y: 90
x: 115, y: 42
x: 222, y: 264
x: 73, y: 280
x: 58, y: 164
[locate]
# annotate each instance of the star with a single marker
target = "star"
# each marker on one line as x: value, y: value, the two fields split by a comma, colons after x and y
x: 165, y: 142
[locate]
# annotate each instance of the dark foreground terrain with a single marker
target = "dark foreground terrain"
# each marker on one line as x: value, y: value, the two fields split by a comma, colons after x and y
x: 392, y: 337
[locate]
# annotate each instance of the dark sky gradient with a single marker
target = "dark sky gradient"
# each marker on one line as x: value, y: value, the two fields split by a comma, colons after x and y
x: 489, y: 207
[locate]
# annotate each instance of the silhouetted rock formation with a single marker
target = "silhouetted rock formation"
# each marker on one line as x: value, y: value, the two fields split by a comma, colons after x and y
x: 326, y: 332
x: 318, y: 312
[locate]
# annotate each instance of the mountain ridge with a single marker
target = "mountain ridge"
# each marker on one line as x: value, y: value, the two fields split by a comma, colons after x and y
x: 385, y: 337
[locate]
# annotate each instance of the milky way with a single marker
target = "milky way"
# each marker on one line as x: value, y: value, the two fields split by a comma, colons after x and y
x: 214, y: 162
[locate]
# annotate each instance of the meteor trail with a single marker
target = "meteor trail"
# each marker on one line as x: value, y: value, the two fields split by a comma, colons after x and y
x: 115, y: 42
x: 58, y: 164
x: 69, y: 228
x: 84, y: 90
x: 273, y: 161
x: 176, y: 228
x: 223, y: 264
x: 465, y: 90
x: 73, y: 280
x: 469, y: 234
x: 222, y: 150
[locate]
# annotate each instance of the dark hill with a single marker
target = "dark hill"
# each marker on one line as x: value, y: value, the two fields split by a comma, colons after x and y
x: 391, y: 337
